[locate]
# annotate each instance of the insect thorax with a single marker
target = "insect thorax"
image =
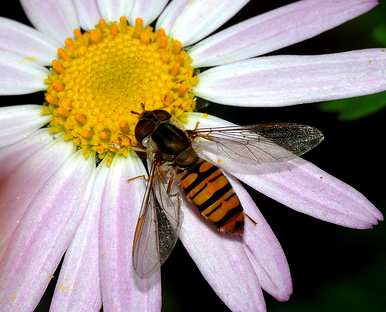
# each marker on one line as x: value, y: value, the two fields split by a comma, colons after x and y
x: 172, y: 141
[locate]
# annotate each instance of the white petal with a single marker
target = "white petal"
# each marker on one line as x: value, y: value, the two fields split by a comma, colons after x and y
x: 43, y: 234
x: 148, y: 10
x: 11, y: 156
x: 276, y: 29
x: 26, y: 42
x: 169, y: 16
x: 310, y: 190
x: 122, y: 290
x: 299, y: 185
x: 24, y: 168
x: 112, y: 10
x: 223, y: 262
x: 56, y: 18
x: 88, y: 13
x: 292, y: 79
x: 263, y: 248
x: 78, y: 286
x: 19, y: 75
x: 198, y: 18
x: 18, y: 122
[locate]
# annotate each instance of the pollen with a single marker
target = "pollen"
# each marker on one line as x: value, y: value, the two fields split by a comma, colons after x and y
x: 103, y: 79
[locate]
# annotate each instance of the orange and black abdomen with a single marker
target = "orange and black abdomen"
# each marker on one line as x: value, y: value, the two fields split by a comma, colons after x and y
x: 207, y: 188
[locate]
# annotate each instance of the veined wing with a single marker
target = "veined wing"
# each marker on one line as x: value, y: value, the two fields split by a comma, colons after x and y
x: 261, y: 143
x: 158, y: 224
x: 169, y: 215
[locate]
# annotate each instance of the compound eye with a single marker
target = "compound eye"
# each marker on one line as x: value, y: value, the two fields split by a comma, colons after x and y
x: 162, y: 115
x: 144, y: 129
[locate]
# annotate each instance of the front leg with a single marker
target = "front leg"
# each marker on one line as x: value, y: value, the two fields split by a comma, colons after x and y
x: 138, y: 177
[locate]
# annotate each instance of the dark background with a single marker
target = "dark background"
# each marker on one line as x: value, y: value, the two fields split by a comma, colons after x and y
x: 333, y: 268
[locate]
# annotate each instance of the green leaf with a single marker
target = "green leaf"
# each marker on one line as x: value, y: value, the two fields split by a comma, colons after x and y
x: 356, y: 108
x: 379, y: 34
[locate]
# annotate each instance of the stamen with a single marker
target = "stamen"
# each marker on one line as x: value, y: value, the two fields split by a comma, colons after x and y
x: 58, y: 86
x: 95, y: 36
x: 62, y: 54
x: 57, y: 66
x: 103, y: 79
x: 81, y: 119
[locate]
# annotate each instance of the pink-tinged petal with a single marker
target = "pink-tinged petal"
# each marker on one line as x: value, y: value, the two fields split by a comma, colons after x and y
x: 299, y: 185
x: 112, y: 10
x: 310, y: 190
x: 148, y: 10
x: 223, y: 262
x: 26, y: 42
x: 293, y: 79
x: 20, y: 75
x: 88, y: 13
x: 18, y: 122
x: 43, y: 234
x: 170, y: 14
x: 122, y: 289
x: 78, y: 286
x: 23, y: 177
x: 11, y: 156
x: 199, y: 18
x: 263, y: 249
x: 56, y: 18
x: 276, y: 29
x: 12, y: 206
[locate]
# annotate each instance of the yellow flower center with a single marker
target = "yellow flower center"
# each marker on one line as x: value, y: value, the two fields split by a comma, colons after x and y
x: 104, y: 78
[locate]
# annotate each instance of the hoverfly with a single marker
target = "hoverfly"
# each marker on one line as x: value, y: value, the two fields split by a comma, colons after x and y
x: 173, y: 165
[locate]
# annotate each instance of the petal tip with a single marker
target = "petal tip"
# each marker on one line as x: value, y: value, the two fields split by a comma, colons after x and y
x: 365, y: 225
x: 379, y: 215
x: 285, y: 292
x: 284, y: 297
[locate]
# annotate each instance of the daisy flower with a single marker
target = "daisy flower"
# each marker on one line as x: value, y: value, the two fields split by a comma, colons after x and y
x: 98, y: 63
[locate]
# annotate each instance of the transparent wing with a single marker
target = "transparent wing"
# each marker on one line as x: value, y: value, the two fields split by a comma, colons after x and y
x: 146, y: 241
x: 158, y: 224
x: 261, y: 143
x: 169, y: 215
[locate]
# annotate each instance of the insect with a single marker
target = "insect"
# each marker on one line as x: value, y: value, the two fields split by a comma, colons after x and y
x: 174, y: 165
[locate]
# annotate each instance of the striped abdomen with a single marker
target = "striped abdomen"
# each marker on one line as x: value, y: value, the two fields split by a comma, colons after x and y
x: 207, y: 188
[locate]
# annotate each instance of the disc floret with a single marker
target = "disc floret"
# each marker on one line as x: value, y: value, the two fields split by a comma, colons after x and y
x: 103, y: 78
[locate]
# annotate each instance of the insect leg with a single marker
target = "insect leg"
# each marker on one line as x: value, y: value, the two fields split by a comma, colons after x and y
x: 170, y: 185
x: 135, y: 113
x: 196, y: 126
x: 253, y: 221
x: 138, y: 149
x: 138, y: 177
